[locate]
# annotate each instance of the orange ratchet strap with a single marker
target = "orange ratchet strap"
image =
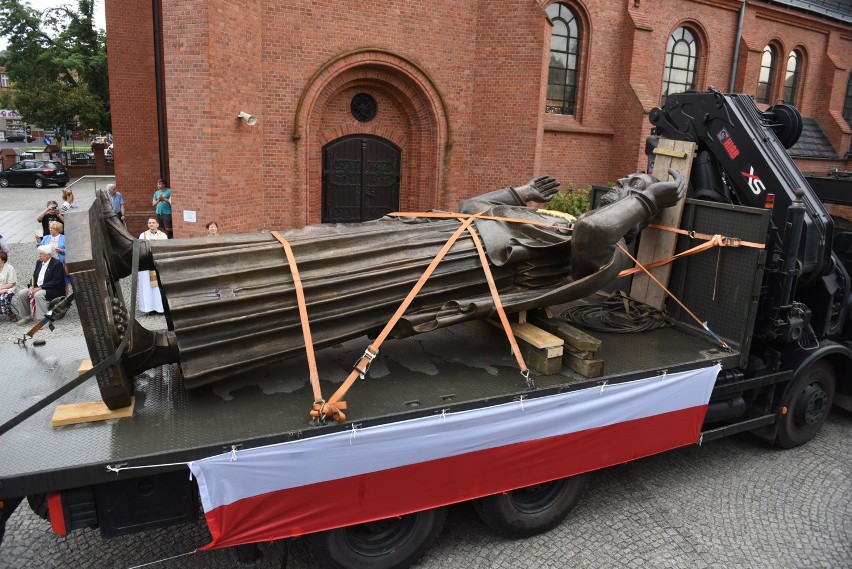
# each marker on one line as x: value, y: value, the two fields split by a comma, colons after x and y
x: 332, y: 407
x: 525, y: 372
x: 676, y: 299
x: 729, y: 241
x: 710, y: 242
x: 303, y: 314
x: 460, y: 216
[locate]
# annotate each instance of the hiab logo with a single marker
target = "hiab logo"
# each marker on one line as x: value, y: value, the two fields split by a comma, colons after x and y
x: 728, y: 143
x: 755, y: 184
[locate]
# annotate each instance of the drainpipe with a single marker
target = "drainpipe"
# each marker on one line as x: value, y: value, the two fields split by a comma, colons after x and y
x: 739, y: 36
x: 158, y: 85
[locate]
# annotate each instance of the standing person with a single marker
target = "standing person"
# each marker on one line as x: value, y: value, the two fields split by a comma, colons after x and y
x: 212, y: 228
x: 162, y: 203
x: 48, y: 282
x: 67, y: 201
x: 48, y: 214
x: 150, y: 300
x: 8, y: 280
x: 116, y: 200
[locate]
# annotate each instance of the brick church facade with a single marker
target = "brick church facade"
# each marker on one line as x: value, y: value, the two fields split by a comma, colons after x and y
x: 414, y: 105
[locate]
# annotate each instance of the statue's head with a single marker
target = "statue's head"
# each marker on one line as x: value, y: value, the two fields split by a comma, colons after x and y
x: 638, y: 181
x: 632, y: 182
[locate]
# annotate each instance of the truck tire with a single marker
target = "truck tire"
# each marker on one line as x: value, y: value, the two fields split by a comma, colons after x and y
x: 808, y: 403
x: 38, y: 504
x: 392, y: 543
x: 531, y: 510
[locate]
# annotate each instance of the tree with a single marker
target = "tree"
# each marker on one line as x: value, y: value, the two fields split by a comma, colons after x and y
x: 57, y: 64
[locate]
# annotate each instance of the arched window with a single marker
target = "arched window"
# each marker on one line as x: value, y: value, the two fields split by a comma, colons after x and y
x: 564, y: 60
x: 767, y: 72
x: 847, y: 105
x: 791, y: 77
x: 681, y: 62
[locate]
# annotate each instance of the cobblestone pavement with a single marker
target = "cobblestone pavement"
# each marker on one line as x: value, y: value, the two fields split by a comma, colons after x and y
x: 730, y: 503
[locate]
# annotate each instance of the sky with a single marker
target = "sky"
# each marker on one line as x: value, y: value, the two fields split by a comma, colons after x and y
x: 100, y: 19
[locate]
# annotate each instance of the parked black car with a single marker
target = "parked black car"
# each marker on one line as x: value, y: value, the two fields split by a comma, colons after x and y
x: 19, y: 138
x: 38, y: 173
x: 81, y: 158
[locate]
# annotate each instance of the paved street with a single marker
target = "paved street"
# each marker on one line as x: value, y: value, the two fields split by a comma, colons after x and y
x: 729, y: 503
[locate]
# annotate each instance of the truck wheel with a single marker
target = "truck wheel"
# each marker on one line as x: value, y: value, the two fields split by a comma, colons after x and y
x: 38, y: 504
x: 393, y: 543
x: 808, y: 402
x: 531, y: 510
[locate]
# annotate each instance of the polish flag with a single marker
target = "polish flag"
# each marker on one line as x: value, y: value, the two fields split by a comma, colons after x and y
x: 361, y: 475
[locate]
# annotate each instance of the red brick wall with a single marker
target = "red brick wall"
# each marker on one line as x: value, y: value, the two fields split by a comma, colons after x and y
x: 460, y: 85
x: 133, y: 101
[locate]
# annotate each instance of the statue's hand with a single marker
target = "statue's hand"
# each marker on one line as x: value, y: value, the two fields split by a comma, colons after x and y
x: 667, y: 194
x: 541, y: 189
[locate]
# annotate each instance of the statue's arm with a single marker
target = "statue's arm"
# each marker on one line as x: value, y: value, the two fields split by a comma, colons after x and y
x: 541, y: 189
x: 597, y: 232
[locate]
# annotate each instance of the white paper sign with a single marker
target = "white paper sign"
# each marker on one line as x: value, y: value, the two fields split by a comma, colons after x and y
x: 189, y: 216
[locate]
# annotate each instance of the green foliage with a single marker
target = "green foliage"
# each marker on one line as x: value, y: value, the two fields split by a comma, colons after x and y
x: 56, y: 62
x: 571, y: 201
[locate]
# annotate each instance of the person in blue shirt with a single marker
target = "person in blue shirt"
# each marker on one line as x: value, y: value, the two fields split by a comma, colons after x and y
x: 162, y: 203
x: 116, y: 200
x: 56, y: 239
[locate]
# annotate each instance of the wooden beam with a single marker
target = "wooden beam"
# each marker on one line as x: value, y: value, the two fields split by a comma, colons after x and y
x: 572, y: 336
x: 88, y: 412
x: 586, y: 368
x: 655, y: 244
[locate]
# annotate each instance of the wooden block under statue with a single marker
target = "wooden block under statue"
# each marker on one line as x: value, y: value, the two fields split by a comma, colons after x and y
x: 541, y: 350
x: 580, y: 347
x: 88, y: 411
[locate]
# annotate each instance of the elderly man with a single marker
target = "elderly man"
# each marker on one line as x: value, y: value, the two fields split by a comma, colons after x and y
x: 116, y: 200
x: 48, y: 282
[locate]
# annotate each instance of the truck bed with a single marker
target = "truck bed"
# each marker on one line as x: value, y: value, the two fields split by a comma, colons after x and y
x: 462, y: 367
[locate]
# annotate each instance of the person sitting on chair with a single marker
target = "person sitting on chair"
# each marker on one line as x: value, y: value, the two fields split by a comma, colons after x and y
x: 48, y: 282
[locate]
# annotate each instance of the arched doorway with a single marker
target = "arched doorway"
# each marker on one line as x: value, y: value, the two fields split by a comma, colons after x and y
x: 360, y: 178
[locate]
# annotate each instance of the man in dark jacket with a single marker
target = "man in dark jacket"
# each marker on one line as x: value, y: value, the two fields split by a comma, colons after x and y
x: 48, y: 282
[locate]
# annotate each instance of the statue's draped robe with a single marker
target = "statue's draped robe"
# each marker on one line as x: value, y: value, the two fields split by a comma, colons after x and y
x: 232, y: 303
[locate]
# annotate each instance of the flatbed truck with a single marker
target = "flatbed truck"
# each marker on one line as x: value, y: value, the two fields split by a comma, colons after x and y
x: 779, y: 359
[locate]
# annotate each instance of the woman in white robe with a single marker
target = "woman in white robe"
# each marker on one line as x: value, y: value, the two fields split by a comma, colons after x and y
x: 150, y: 299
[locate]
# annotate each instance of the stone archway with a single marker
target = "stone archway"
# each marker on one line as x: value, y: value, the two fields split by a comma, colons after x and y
x: 410, y: 113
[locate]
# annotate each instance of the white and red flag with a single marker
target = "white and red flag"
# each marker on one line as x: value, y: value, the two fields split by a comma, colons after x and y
x: 351, y: 477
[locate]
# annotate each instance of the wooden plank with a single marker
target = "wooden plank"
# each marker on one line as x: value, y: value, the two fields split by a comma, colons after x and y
x: 656, y: 244
x: 569, y: 349
x: 586, y: 368
x: 85, y: 366
x: 533, y: 335
x: 539, y: 360
x: 572, y: 336
x: 88, y: 412
x: 541, y: 351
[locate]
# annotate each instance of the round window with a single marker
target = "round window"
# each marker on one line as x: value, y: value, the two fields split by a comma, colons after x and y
x: 363, y: 107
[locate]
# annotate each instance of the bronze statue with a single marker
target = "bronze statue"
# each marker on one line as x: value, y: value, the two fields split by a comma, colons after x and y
x: 231, y: 305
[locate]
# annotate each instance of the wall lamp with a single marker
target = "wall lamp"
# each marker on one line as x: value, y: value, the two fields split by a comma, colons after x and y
x: 251, y: 120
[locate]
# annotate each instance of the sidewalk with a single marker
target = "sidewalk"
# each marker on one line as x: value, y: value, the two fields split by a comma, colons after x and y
x: 19, y: 206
